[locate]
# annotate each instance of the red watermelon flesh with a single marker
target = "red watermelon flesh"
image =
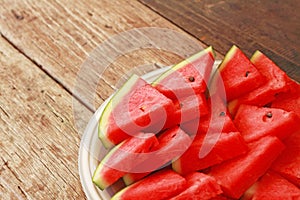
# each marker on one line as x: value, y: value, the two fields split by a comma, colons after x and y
x: 236, y: 175
x: 123, y: 158
x: 199, y: 187
x: 217, y: 120
x: 188, y: 77
x: 255, y: 122
x: 217, y: 145
x: 238, y: 74
x: 288, y: 163
x: 171, y: 144
x: 191, y: 107
x: 158, y: 186
x: 186, y: 109
x: 221, y: 197
x: 144, y: 107
x: 272, y: 186
x: 276, y: 82
x: 289, y: 101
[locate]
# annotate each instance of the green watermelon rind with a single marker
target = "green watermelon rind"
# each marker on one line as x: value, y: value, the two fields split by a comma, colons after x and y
x: 229, y: 55
x: 128, y: 180
x: 256, y: 56
x: 183, y: 64
x: 113, y: 102
x: 97, y: 178
x: 118, y: 196
x: 176, y: 166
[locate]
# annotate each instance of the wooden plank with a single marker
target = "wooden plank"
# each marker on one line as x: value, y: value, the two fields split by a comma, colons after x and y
x: 59, y: 35
x: 39, y: 142
x: 270, y: 26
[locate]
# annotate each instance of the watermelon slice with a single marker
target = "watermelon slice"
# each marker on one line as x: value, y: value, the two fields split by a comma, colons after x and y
x: 288, y: 163
x: 158, y: 186
x: 275, y: 83
x: 236, y: 175
x: 272, y: 186
x: 268, y: 121
x: 238, y: 74
x: 122, y: 158
x: 133, y: 108
x: 172, y: 144
x: 217, y: 120
x: 186, y: 109
x: 190, y: 161
x: 289, y: 101
x: 199, y: 186
x: 189, y: 77
x: 191, y: 107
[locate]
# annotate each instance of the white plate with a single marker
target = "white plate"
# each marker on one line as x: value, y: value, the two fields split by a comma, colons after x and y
x: 91, y: 149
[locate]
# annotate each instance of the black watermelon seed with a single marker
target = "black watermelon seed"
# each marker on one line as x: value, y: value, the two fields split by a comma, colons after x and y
x: 247, y: 73
x: 191, y: 79
x: 269, y: 115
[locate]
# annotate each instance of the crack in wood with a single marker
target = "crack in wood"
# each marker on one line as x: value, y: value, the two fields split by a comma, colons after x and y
x: 43, y: 69
x: 10, y: 169
x: 4, y: 111
x: 22, y: 192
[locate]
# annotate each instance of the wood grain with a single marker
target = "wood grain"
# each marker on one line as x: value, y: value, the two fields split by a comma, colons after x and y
x: 59, y: 36
x: 39, y: 142
x: 270, y: 26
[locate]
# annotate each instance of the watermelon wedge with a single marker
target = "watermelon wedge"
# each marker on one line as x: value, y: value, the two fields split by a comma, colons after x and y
x: 268, y: 121
x: 189, y: 77
x: 199, y: 186
x: 238, y: 74
x: 275, y: 83
x: 272, y: 186
x: 186, y: 109
x: 190, y: 161
x: 236, y: 175
x: 133, y: 108
x: 172, y: 144
x: 191, y: 107
x: 289, y: 101
x: 158, y: 186
x: 217, y: 120
x: 122, y: 158
x: 288, y: 163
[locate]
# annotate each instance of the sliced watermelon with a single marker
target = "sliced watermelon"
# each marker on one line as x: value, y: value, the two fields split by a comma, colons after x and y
x: 288, y: 163
x: 217, y: 120
x: 238, y: 74
x: 255, y: 122
x: 133, y: 108
x: 189, y: 77
x: 158, y: 186
x: 191, y: 107
x: 275, y: 83
x: 186, y: 109
x: 289, y: 101
x: 221, y: 197
x: 199, y: 186
x: 123, y: 158
x: 172, y: 144
x: 236, y: 175
x: 217, y: 144
x: 272, y: 186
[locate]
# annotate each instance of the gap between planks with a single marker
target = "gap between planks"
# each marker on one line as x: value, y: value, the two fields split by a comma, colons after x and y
x: 47, y: 73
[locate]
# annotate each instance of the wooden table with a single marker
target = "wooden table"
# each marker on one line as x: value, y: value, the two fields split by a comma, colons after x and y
x: 45, y: 99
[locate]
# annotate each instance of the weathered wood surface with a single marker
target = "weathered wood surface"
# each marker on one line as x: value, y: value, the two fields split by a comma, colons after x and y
x: 39, y: 142
x: 59, y: 35
x: 270, y: 26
